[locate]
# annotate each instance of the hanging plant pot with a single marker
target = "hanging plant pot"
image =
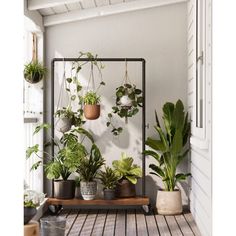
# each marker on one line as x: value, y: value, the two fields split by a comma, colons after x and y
x: 88, y: 190
x: 169, y: 202
x: 125, y: 188
x: 64, y: 189
x: 64, y: 124
x: 125, y: 101
x: 92, y: 112
x: 33, y: 78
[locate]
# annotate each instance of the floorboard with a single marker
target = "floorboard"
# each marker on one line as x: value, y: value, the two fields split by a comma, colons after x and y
x: 130, y: 222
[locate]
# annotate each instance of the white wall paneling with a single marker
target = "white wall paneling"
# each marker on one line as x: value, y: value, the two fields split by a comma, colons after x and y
x: 201, y: 161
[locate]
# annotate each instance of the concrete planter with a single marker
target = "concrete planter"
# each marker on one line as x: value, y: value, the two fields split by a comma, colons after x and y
x: 88, y: 190
x: 64, y: 124
x: 169, y: 203
x: 92, y: 112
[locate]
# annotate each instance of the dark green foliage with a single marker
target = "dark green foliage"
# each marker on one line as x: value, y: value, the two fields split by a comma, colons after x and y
x: 34, y: 68
x: 169, y: 148
x: 90, y: 164
x: 108, y: 178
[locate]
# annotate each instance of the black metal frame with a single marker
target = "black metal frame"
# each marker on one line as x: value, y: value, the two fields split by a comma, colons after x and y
x: 54, y: 60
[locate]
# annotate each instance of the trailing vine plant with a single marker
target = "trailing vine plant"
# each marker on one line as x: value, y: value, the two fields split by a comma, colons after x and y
x: 128, y: 100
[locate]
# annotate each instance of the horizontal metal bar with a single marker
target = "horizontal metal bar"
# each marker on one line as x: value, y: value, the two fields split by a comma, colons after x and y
x: 98, y: 59
x: 30, y: 120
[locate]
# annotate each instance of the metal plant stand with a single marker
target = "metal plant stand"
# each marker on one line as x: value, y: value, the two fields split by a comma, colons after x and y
x: 142, y: 200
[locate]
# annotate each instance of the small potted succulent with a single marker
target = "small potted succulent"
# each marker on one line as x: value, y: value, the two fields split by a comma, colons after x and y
x: 169, y: 150
x: 128, y: 174
x: 32, y: 200
x: 34, y: 72
x: 109, y: 180
x: 92, y: 105
x: 88, y: 169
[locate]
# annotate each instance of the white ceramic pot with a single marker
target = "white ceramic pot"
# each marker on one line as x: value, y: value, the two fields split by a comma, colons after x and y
x: 125, y: 101
x: 88, y: 190
x: 64, y: 124
x: 169, y: 203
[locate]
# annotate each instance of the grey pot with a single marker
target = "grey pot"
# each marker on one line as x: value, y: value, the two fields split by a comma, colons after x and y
x: 29, y: 213
x: 64, y: 124
x: 109, y: 194
x: 88, y: 190
x: 64, y: 189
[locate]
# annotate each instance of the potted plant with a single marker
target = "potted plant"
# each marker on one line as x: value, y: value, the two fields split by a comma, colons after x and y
x: 88, y: 170
x: 65, y: 121
x: 128, y: 174
x: 169, y: 150
x: 34, y: 72
x: 65, y: 162
x: 91, y: 105
x: 109, y: 180
x: 32, y: 200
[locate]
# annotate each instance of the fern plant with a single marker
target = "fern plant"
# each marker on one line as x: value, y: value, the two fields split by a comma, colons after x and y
x: 169, y: 150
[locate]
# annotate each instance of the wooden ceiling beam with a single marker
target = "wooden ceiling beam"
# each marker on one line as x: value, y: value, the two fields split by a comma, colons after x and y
x: 40, y: 4
x: 105, y: 11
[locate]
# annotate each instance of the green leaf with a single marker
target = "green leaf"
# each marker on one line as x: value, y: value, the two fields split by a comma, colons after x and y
x: 153, y: 154
x: 138, y: 91
x: 69, y: 80
x: 73, y: 97
x: 178, y: 115
x: 177, y: 145
x: 31, y: 150
x: 157, y: 120
x: 109, y: 115
x: 132, y: 179
x: 102, y: 83
x: 155, y: 144
x: 108, y: 124
x: 157, y: 170
x: 35, y: 165
x: 40, y: 127
x: 85, y: 132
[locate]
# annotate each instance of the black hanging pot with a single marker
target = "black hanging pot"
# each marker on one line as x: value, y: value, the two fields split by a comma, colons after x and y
x: 33, y: 78
x: 64, y: 189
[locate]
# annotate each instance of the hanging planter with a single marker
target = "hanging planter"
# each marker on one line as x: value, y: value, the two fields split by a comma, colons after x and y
x: 91, y: 106
x: 34, y: 72
x: 65, y: 121
x: 128, y: 100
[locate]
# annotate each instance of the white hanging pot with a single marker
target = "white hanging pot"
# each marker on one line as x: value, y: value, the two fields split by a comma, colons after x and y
x: 125, y: 101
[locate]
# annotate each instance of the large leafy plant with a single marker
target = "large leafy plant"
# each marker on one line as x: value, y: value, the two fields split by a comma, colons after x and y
x: 90, y: 164
x: 70, y: 152
x: 169, y: 149
x: 125, y: 169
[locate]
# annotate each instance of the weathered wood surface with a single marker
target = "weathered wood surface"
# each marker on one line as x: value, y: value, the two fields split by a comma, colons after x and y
x: 129, y: 222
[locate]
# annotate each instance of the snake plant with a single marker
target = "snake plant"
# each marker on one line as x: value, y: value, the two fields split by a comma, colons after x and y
x: 169, y: 150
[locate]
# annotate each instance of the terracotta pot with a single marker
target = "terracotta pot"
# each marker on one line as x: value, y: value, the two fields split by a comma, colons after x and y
x: 35, y: 78
x: 63, y: 124
x: 125, y: 188
x: 91, y: 112
x: 29, y: 213
x: 169, y: 202
x: 88, y: 190
x: 109, y: 194
x: 64, y: 189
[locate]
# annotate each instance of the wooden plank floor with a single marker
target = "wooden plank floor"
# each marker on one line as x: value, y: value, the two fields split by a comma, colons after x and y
x: 130, y: 222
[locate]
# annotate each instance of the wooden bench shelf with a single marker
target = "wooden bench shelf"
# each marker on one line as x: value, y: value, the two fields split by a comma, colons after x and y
x: 135, y: 201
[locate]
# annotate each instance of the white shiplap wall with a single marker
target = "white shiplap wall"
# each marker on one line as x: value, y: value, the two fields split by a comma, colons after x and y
x: 200, y: 193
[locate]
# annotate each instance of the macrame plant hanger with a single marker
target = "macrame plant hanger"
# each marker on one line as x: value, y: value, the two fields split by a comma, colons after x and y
x: 34, y: 48
x: 126, y: 80
x: 63, y: 86
x: 91, y: 79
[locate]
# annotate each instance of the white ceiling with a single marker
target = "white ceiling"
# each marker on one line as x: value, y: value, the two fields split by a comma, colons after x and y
x: 64, y: 11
